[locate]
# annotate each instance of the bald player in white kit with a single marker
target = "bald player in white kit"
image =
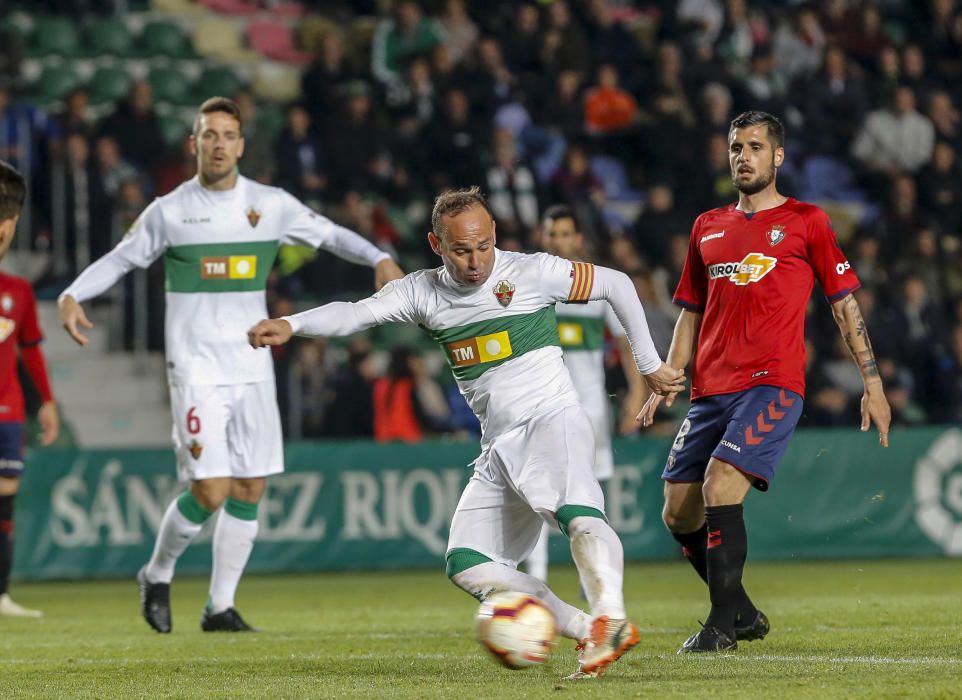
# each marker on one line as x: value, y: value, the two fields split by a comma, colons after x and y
x: 219, y: 234
x: 493, y: 313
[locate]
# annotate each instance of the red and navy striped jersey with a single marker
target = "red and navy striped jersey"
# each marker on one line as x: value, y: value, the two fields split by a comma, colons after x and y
x: 19, y: 328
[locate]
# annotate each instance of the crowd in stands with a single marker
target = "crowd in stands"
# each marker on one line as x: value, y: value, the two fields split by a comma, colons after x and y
x: 617, y: 108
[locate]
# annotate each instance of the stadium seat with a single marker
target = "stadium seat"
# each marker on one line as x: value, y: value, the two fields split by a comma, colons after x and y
x: 56, y: 81
x: 277, y: 82
x: 54, y: 35
x: 172, y: 127
x: 108, y: 84
x: 183, y: 8
x: 215, y: 37
x: 108, y: 36
x: 164, y: 39
x: 218, y: 81
x: 288, y: 9
x: 170, y: 85
x: 232, y: 7
x: 270, y: 119
x: 275, y: 40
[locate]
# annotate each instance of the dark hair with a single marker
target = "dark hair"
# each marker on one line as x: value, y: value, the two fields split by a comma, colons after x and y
x: 561, y: 211
x: 452, y: 202
x: 13, y: 191
x: 776, y: 130
x: 217, y: 104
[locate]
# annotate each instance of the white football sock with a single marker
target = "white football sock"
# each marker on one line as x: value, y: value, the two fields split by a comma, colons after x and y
x: 175, y: 533
x: 484, y: 579
x: 233, y: 543
x: 537, y: 562
x: 600, y: 559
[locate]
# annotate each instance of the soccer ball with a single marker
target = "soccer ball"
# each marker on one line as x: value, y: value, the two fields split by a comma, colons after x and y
x: 517, y: 628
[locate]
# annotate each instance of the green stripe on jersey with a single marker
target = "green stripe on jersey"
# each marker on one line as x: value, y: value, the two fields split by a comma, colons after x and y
x: 219, y: 267
x: 474, y: 348
x: 581, y: 332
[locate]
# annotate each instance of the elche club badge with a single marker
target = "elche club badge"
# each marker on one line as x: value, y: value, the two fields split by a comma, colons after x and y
x: 195, y: 449
x: 504, y: 292
x: 253, y: 217
x: 776, y: 235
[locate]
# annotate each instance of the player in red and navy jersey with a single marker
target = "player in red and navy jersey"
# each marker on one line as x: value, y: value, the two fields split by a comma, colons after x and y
x: 19, y: 336
x: 749, y: 273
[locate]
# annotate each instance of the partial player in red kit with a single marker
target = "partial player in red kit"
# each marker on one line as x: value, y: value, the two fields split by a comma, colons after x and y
x: 20, y: 337
x: 750, y: 271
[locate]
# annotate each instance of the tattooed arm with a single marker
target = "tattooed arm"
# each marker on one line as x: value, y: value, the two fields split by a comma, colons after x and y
x: 875, y: 407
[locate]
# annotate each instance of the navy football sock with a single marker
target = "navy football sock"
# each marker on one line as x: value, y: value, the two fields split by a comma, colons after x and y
x: 6, y: 540
x: 727, y: 549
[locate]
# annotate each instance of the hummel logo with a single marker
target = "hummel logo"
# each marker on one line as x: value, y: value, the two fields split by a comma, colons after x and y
x: 711, y: 236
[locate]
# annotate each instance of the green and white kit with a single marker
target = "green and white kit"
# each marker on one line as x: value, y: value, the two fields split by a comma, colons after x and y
x: 501, y: 342
x: 218, y: 249
x: 581, y: 329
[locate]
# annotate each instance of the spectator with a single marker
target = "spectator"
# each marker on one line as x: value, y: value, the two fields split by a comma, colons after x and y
x: 945, y: 118
x: 866, y: 38
x: 940, y: 183
x: 351, y: 406
x: 512, y: 190
x: 408, y: 34
x: 522, y: 43
x: 609, y: 108
x: 325, y: 79
x: 898, y: 139
x: 258, y: 160
x: 564, y: 108
x: 456, y: 139
x: 659, y: 220
x: 798, y: 44
x: 304, y: 174
x: 88, y: 220
x: 563, y: 45
x: 75, y: 117
x: 610, y: 42
x: 407, y: 403
x: 135, y: 128
x: 356, y: 142
x: 460, y: 33
x: 835, y: 107
x: 113, y: 169
x: 575, y: 183
x: 179, y: 167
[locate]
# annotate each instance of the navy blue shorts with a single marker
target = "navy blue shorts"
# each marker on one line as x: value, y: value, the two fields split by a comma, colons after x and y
x: 11, y: 449
x: 748, y: 429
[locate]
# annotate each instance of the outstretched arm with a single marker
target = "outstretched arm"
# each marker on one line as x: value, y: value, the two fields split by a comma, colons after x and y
x: 617, y: 289
x: 682, y: 349
x: 875, y: 407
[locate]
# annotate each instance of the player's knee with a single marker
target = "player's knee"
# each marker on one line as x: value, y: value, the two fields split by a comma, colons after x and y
x: 680, y: 521
x: 572, y: 520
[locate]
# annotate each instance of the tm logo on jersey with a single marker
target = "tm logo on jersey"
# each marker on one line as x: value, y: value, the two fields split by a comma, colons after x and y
x: 752, y: 268
x: 232, y: 267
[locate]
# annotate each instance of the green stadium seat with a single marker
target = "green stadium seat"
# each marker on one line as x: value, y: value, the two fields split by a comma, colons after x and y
x: 218, y: 80
x: 108, y: 84
x: 109, y: 36
x: 165, y: 39
x: 270, y: 119
x: 170, y: 85
x: 55, y: 82
x: 54, y: 35
x: 172, y: 127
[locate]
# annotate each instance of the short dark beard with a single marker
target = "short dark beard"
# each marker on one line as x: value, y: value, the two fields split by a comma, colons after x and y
x: 757, y: 185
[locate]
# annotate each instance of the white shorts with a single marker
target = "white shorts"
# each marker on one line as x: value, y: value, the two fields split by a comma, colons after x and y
x: 520, y: 480
x: 226, y: 430
x: 604, y: 463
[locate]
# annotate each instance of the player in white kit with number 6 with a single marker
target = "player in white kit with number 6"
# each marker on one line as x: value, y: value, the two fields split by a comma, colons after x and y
x: 218, y: 233
x: 493, y: 313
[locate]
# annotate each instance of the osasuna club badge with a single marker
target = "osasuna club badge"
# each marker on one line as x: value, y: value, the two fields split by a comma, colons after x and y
x: 504, y: 291
x: 253, y: 217
x: 776, y: 235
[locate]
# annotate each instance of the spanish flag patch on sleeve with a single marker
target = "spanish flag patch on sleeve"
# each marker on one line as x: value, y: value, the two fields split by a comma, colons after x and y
x: 582, y: 279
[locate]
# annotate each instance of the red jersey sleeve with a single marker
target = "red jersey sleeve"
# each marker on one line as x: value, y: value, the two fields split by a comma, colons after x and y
x: 692, y: 290
x: 832, y: 269
x: 29, y: 326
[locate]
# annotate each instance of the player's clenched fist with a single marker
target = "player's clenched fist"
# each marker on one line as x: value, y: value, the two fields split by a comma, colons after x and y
x: 270, y: 331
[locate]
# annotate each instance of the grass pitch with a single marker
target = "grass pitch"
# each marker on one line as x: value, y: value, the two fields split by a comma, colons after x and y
x: 839, y: 629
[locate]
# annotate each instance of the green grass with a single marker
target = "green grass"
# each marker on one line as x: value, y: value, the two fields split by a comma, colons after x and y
x: 840, y: 629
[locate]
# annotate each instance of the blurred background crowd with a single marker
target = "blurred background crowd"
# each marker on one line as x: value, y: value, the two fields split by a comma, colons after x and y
x: 617, y: 108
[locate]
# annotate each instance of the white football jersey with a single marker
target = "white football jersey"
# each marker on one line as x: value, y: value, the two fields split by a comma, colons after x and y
x: 218, y: 248
x: 501, y: 338
x: 581, y: 329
